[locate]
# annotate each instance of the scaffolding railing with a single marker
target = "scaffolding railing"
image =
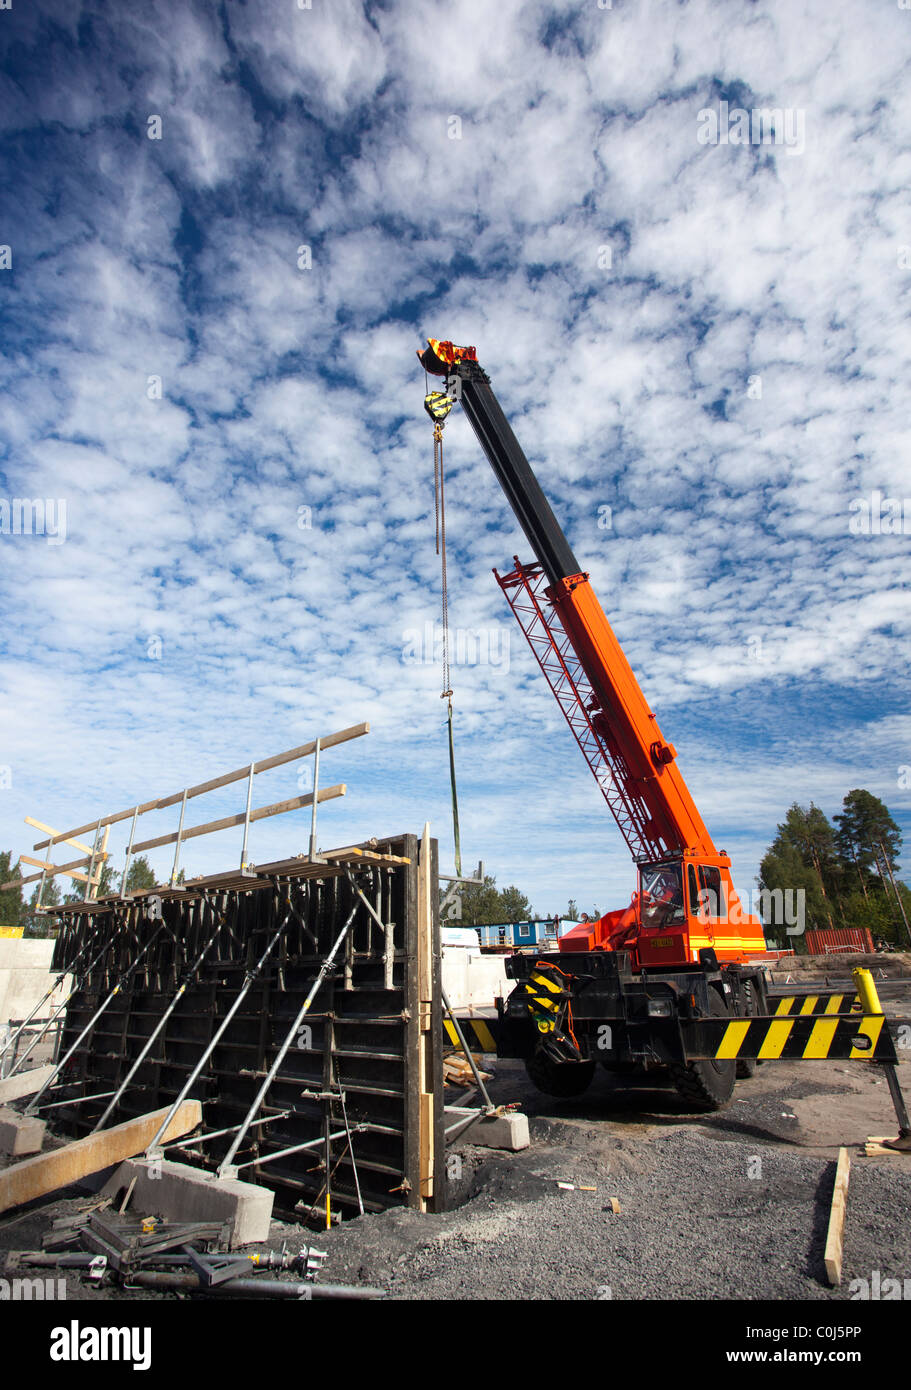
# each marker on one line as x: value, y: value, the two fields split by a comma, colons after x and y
x: 96, y: 855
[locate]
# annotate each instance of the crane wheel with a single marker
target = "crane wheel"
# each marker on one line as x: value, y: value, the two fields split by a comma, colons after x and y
x: 562, y: 1079
x: 706, y: 1085
x: 748, y: 1068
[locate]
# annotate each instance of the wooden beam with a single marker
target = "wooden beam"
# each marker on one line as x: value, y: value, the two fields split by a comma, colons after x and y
x: 52, y: 868
x: 835, y: 1237
x: 39, y: 825
x: 426, y: 1040
x: 49, y: 1172
x: 60, y: 869
x: 278, y: 808
x: 302, y: 751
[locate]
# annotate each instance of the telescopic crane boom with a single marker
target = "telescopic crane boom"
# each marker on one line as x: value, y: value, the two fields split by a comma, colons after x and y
x: 686, y: 899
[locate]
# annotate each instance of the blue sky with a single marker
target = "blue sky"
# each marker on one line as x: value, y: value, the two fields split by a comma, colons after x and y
x: 709, y: 339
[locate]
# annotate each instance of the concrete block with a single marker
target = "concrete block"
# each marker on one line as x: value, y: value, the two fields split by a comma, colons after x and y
x: 20, y: 1134
x: 48, y: 1172
x: 24, y: 1083
x: 178, y: 1192
x: 499, y: 1131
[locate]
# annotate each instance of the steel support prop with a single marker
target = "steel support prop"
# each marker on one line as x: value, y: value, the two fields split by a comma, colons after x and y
x: 490, y: 1108
x: 227, y: 1161
x: 33, y: 1105
x: 43, y: 1000
x: 153, y: 1151
x: 187, y: 981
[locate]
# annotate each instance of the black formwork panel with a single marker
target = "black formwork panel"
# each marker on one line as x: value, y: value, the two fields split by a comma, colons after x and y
x: 361, y: 1038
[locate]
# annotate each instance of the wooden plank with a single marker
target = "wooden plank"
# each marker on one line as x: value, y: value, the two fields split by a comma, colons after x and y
x: 53, y: 869
x: 48, y: 1172
x: 278, y: 808
x: 259, y: 878
x: 291, y: 755
x: 49, y: 830
x: 835, y: 1236
x: 426, y: 1039
x: 61, y: 869
x: 877, y: 1146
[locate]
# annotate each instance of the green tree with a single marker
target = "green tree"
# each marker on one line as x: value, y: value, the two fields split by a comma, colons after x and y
x: 863, y: 825
x: 784, y: 876
x: 483, y: 904
x: 514, y: 906
x: 10, y: 901
x: 808, y: 831
x: 480, y: 903
x: 140, y: 875
x: 34, y: 922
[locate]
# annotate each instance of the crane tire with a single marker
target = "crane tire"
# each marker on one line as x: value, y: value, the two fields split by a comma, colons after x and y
x: 706, y: 1085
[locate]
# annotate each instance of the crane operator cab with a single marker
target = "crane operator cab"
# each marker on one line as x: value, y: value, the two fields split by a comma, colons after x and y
x: 661, y: 896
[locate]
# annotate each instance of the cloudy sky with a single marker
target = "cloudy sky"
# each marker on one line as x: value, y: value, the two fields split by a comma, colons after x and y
x: 230, y: 226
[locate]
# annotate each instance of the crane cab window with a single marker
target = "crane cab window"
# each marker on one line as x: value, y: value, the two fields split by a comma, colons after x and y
x: 662, y: 896
x: 706, y: 893
x: 711, y: 892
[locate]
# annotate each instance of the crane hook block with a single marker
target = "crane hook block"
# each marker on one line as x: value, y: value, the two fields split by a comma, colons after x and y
x: 438, y: 405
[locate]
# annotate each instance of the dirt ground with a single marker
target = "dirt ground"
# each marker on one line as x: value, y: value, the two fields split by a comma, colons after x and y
x: 732, y: 1205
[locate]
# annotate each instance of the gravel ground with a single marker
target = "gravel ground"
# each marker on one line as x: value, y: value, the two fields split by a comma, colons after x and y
x: 693, y: 1224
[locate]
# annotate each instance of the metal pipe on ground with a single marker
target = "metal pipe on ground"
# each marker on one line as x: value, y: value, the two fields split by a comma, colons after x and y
x: 254, y: 1287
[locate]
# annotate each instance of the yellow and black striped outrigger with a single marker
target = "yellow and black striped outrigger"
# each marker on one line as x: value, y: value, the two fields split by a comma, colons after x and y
x: 850, y: 1038
x: 476, y: 1030
x: 822, y: 1003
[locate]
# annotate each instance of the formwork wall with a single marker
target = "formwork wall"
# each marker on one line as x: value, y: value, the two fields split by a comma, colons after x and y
x: 369, y: 1031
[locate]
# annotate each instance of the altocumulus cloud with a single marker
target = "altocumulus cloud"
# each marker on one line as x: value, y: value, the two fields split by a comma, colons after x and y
x: 229, y: 228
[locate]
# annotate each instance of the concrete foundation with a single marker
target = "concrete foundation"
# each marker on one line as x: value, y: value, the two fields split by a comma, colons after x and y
x: 506, y: 1131
x: 177, y: 1192
x: 26, y: 976
x: 20, y: 1134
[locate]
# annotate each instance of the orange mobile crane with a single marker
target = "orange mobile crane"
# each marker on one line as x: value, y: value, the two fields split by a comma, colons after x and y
x: 662, y: 981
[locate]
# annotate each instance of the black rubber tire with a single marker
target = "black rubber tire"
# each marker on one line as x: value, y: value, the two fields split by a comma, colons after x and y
x: 750, y: 1006
x: 706, y: 1086
x: 564, y: 1080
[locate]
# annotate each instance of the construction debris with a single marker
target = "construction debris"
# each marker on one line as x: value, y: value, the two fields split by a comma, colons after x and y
x: 457, y: 1072
x: 144, y: 1252
x: 880, y: 1146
